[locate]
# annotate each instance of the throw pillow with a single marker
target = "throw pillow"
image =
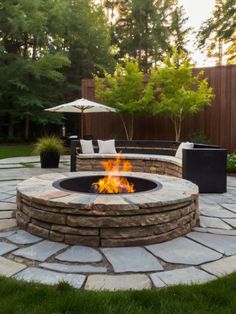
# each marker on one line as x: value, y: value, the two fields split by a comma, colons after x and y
x: 106, y: 147
x: 184, y: 145
x: 87, y: 147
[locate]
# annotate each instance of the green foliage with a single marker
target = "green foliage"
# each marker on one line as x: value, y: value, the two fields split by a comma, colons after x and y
x: 199, y: 137
x: 175, y: 91
x: 231, y: 162
x: 145, y: 30
x: 123, y: 91
x: 219, y: 30
x: 179, y: 31
x: 49, y: 144
x: 44, y: 54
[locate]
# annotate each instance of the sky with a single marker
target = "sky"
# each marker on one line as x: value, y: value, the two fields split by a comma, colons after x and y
x: 197, y: 11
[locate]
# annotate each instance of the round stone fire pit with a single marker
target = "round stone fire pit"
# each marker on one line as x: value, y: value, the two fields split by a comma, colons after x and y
x: 84, y: 184
x: 60, y: 207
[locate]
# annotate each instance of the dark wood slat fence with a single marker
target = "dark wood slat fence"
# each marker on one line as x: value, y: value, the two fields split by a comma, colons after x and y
x: 217, y: 121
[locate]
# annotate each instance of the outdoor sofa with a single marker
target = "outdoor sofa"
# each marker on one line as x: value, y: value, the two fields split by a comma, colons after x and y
x: 204, y: 165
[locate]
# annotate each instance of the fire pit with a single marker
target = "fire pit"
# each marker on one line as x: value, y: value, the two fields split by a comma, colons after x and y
x: 61, y: 207
x: 88, y: 184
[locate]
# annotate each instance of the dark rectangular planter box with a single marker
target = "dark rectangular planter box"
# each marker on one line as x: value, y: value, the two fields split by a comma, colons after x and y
x: 49, y: 160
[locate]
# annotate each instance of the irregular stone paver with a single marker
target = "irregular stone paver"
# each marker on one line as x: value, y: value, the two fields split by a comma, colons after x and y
x: 79, y: 253
x: 214, y: 211
x: 221, y: 267
x: 221, y: 243
x: 40, y: 251
x: 231, y: 207
x: 9, y: 268
x: 6, y: 214
x: 231, y: 232
x: 7, y: 188
x: 6, y: 248
x: 7, y: 223
x: 183, y: 251
x: 211, y: 222
x: 231, y: 222
x: 188, y: 275
x: 6, y: 234
x: 74, y: 268
x: 23, y: 237
x: 212, y: 206
x: 9, y: 166
x: 4, y: 196
x: 11, y: 199
x: 50, y: 277
x: 131, y: 259
x: 7, y: 206
x: 117, y: 282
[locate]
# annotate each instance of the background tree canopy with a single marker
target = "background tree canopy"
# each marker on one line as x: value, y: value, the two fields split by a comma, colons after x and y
x: 218, y: 33
x: 48, y: 46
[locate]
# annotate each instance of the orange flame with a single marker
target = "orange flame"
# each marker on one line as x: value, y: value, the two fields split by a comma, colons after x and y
x: 113, y: 183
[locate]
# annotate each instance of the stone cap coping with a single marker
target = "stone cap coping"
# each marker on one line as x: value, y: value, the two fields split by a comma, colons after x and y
x: 172, y: 159
x: 41, y: 189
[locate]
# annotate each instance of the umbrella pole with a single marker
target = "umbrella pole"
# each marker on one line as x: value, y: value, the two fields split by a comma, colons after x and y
x: 82, y: 124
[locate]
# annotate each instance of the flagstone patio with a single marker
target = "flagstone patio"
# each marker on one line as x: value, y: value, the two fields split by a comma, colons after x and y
x: 202, y: 255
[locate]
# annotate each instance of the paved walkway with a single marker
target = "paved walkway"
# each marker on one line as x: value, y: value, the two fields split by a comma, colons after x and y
x: 202, y: 255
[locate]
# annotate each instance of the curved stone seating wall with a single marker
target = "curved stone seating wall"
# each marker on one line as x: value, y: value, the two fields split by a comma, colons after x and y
x: 107, y: 220
x: 164, y: 165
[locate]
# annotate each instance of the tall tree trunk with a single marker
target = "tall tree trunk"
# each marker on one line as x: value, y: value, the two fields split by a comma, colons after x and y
x: 27, y: 121
x: 10, y: 128
x: 177, y: 121
x: 25, y: 51
x: 220, y: 47
x: 124, y: 125
x: 34, y: 53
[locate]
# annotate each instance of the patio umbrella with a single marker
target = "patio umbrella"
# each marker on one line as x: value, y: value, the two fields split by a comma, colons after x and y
x: 81, y: 106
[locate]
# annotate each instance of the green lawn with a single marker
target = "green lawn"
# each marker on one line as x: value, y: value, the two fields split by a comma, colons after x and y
x: 218, y: 297
x: 7, y: 151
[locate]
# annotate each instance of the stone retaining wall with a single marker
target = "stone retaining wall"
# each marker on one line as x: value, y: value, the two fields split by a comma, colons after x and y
x: 140, y: 164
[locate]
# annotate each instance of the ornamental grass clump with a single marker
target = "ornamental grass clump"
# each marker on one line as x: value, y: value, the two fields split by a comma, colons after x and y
x: 49, y: 148
x: 49, y: 144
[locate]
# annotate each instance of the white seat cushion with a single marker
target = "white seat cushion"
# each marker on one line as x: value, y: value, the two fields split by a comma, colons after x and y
x: 184, y: 145
x: 87, y: 147
x: 106, y: 147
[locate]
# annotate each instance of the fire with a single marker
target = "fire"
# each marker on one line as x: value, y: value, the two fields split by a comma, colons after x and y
x: 113, y: 183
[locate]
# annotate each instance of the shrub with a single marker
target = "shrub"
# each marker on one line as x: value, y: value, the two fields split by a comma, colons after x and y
x: 198, y: 137
x: 231, y: 162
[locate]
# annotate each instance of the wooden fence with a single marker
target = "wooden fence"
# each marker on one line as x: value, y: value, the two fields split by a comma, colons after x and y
x: 217, y: 121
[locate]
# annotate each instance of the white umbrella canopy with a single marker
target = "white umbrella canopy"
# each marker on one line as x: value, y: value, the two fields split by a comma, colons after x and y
x: 81, y: 106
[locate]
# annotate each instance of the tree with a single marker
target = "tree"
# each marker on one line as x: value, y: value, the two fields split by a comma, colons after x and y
x: 87, y: 40
x: 44, y: 54
x: 30, y: 75
x: 123, y: 91
x: 179, y: 31
x: 219, y: 30
x: 143, y: 30
x: 174, y: 91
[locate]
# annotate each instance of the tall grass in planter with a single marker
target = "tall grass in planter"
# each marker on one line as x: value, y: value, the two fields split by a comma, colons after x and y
x: 49, y: 148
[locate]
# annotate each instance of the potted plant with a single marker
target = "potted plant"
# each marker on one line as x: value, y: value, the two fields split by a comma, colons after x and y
x: 49, y: 148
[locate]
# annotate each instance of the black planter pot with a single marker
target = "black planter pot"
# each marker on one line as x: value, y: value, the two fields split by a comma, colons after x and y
x: 49, y: 160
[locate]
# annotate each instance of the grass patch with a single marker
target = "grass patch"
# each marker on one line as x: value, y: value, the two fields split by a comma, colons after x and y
x: 218, y: 297
x: 7, y: 151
